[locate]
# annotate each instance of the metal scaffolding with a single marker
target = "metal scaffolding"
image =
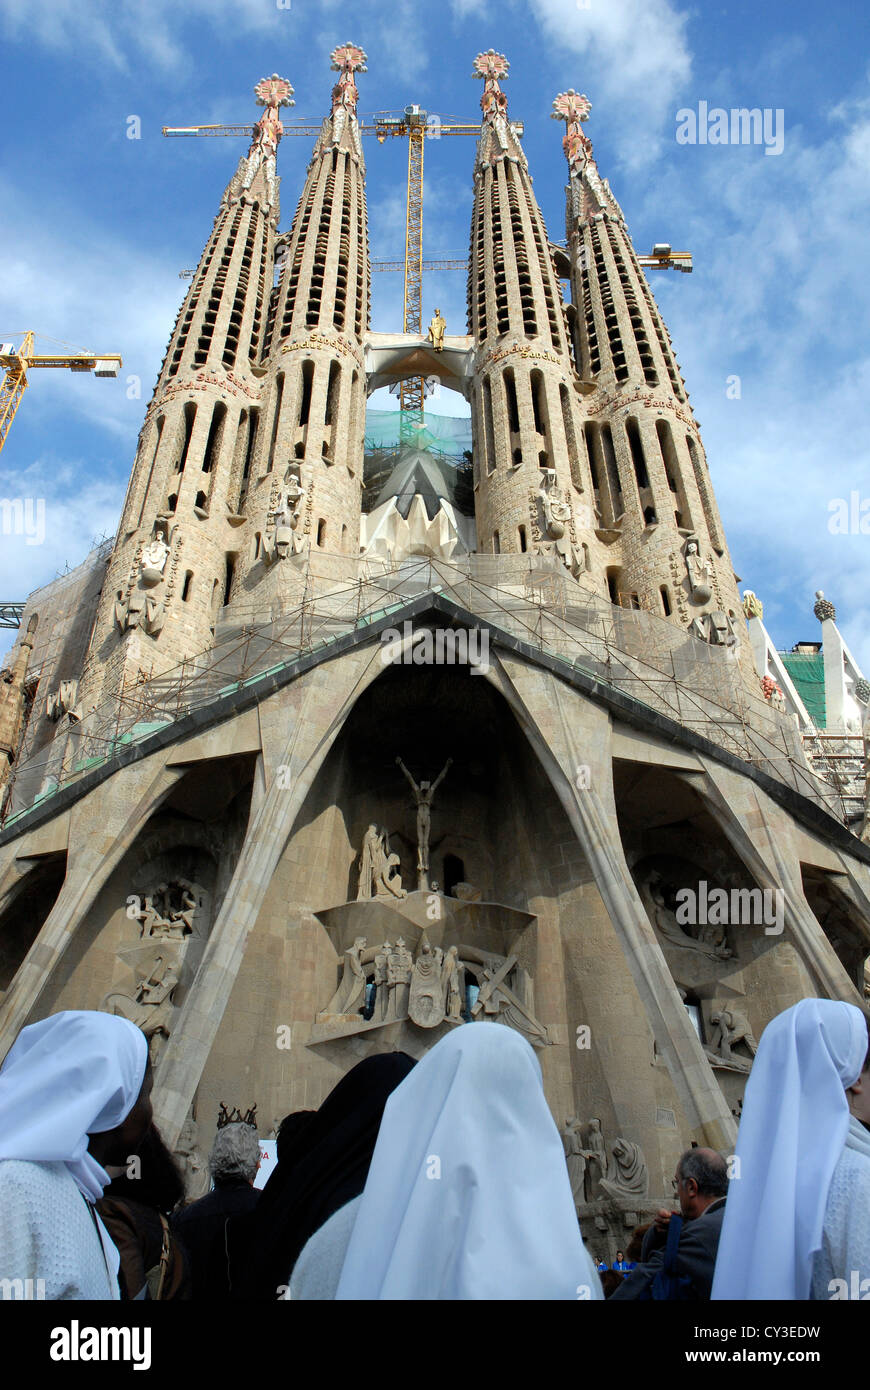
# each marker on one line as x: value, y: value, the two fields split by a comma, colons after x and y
x: 528, y: 597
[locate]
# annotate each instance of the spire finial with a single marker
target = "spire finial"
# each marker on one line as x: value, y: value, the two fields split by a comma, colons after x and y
x: 572, y: 108
x: 492, y: 66
x: 347, y: 58
x: 273, y: 93
x: 823, y: 608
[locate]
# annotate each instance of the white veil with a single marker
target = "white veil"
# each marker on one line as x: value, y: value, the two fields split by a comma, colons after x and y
x: 792, y: 1131
x: 468, y: 1195
x: 68, y: 1076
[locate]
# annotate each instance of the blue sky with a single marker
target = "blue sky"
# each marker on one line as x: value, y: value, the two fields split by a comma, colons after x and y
x: 95, y: 227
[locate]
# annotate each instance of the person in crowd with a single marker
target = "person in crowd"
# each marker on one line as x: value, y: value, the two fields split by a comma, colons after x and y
x: 320, y: 1174
x: 75, y: 1096
x: 289, y: 1131
x: 610, y: 1281
x: 135, y: 1210
x: 634, y: 1249
x: 620, y: 1262
x: 701, y: 1183
x: 468, y: 1195
x: 798, y: 1217
x: 602, y: 1267
x: 201, y: 1226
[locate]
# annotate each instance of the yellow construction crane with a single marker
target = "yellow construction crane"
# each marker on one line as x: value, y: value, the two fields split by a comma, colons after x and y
x: 16, y: 362
x: 418, y: 126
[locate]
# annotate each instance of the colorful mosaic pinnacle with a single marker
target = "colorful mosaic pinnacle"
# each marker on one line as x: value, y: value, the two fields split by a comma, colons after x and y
x: 492, y: 66
x: 572, y: 108
x: 347, y: 59
x: 274, y: 91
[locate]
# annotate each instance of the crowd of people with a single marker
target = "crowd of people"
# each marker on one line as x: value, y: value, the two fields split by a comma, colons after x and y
x: 438, y: 1179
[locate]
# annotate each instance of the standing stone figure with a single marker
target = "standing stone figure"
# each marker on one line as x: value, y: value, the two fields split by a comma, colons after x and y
x: 596, y: 1153
x: 382, y: 991
x: 436, y: 331
x: 350, y: 996
x: 193, y: 1166
x: 368, y: 860
x: 426, y: 1002
x: 378, y: 868
x: 453, y: 982
x: 575, y: 1157
x: 698, y: 571
x: 400, y: 964
x: 423, y: 795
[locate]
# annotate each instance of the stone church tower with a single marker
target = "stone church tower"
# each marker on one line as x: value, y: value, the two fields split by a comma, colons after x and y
x: 533, y: 487
x: 338, y: 747
x: 656, y: 514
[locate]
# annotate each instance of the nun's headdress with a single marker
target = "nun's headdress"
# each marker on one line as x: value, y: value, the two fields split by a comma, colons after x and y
x: 468, y: 1194
x: 792, y: 1131
x: 68, y: 1076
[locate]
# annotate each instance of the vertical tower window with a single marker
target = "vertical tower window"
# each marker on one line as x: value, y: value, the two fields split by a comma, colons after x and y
x: 215, y: 436
x: 188, y: 583
x: 666, y: 600
x: 276, y: 419
x: 305, y: 398
x: 229, y: 575
x: 321, y: 531
x: 253, y: 427
x: 706, y: 496
x: 488, y: 427
x: 536, y: 381
x: 496, y: 543
x: 571, y: 438
x: 332, y: 394
x: 674, y: 476
x: 510, y: 388
x: 609, y: 456
x: 189, y: 417
x: 160, y: 423
x: 638, y: 458
x: 523, y: 542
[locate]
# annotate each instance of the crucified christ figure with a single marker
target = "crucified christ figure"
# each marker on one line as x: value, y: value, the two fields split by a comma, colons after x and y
x: 423, y: 795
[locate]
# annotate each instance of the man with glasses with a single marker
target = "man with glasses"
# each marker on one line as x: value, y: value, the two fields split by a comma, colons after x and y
x: 677, y: 1261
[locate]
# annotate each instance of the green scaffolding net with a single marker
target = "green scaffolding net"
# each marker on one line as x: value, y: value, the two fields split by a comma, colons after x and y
x: 392, y: 430
x: 394, y: 438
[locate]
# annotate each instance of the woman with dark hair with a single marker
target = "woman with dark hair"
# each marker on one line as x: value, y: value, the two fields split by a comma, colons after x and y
x: 135, y: 1208
x: 322, y: 1168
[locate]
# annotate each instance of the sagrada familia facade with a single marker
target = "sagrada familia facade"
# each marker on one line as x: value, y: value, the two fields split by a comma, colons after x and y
x: 303, y: 766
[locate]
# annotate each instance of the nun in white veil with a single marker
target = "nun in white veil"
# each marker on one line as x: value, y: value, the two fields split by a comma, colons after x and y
x: 793, y: 1132
x: 468, y: 1194
x: 74, y: 1083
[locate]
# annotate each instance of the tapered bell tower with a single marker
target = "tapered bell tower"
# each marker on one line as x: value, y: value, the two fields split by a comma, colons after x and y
x: 306, y: 479
x: 654, y: 499
x: 182, y: 529
x: 532, y: 485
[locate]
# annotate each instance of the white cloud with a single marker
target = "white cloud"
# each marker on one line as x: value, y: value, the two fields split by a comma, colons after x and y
x: 73, y: 278
x: 121, y: 32
x: 635, y: 61
x: 779, y: 298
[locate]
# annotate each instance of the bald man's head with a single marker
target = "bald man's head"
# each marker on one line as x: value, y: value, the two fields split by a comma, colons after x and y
x: 701, y: 1178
